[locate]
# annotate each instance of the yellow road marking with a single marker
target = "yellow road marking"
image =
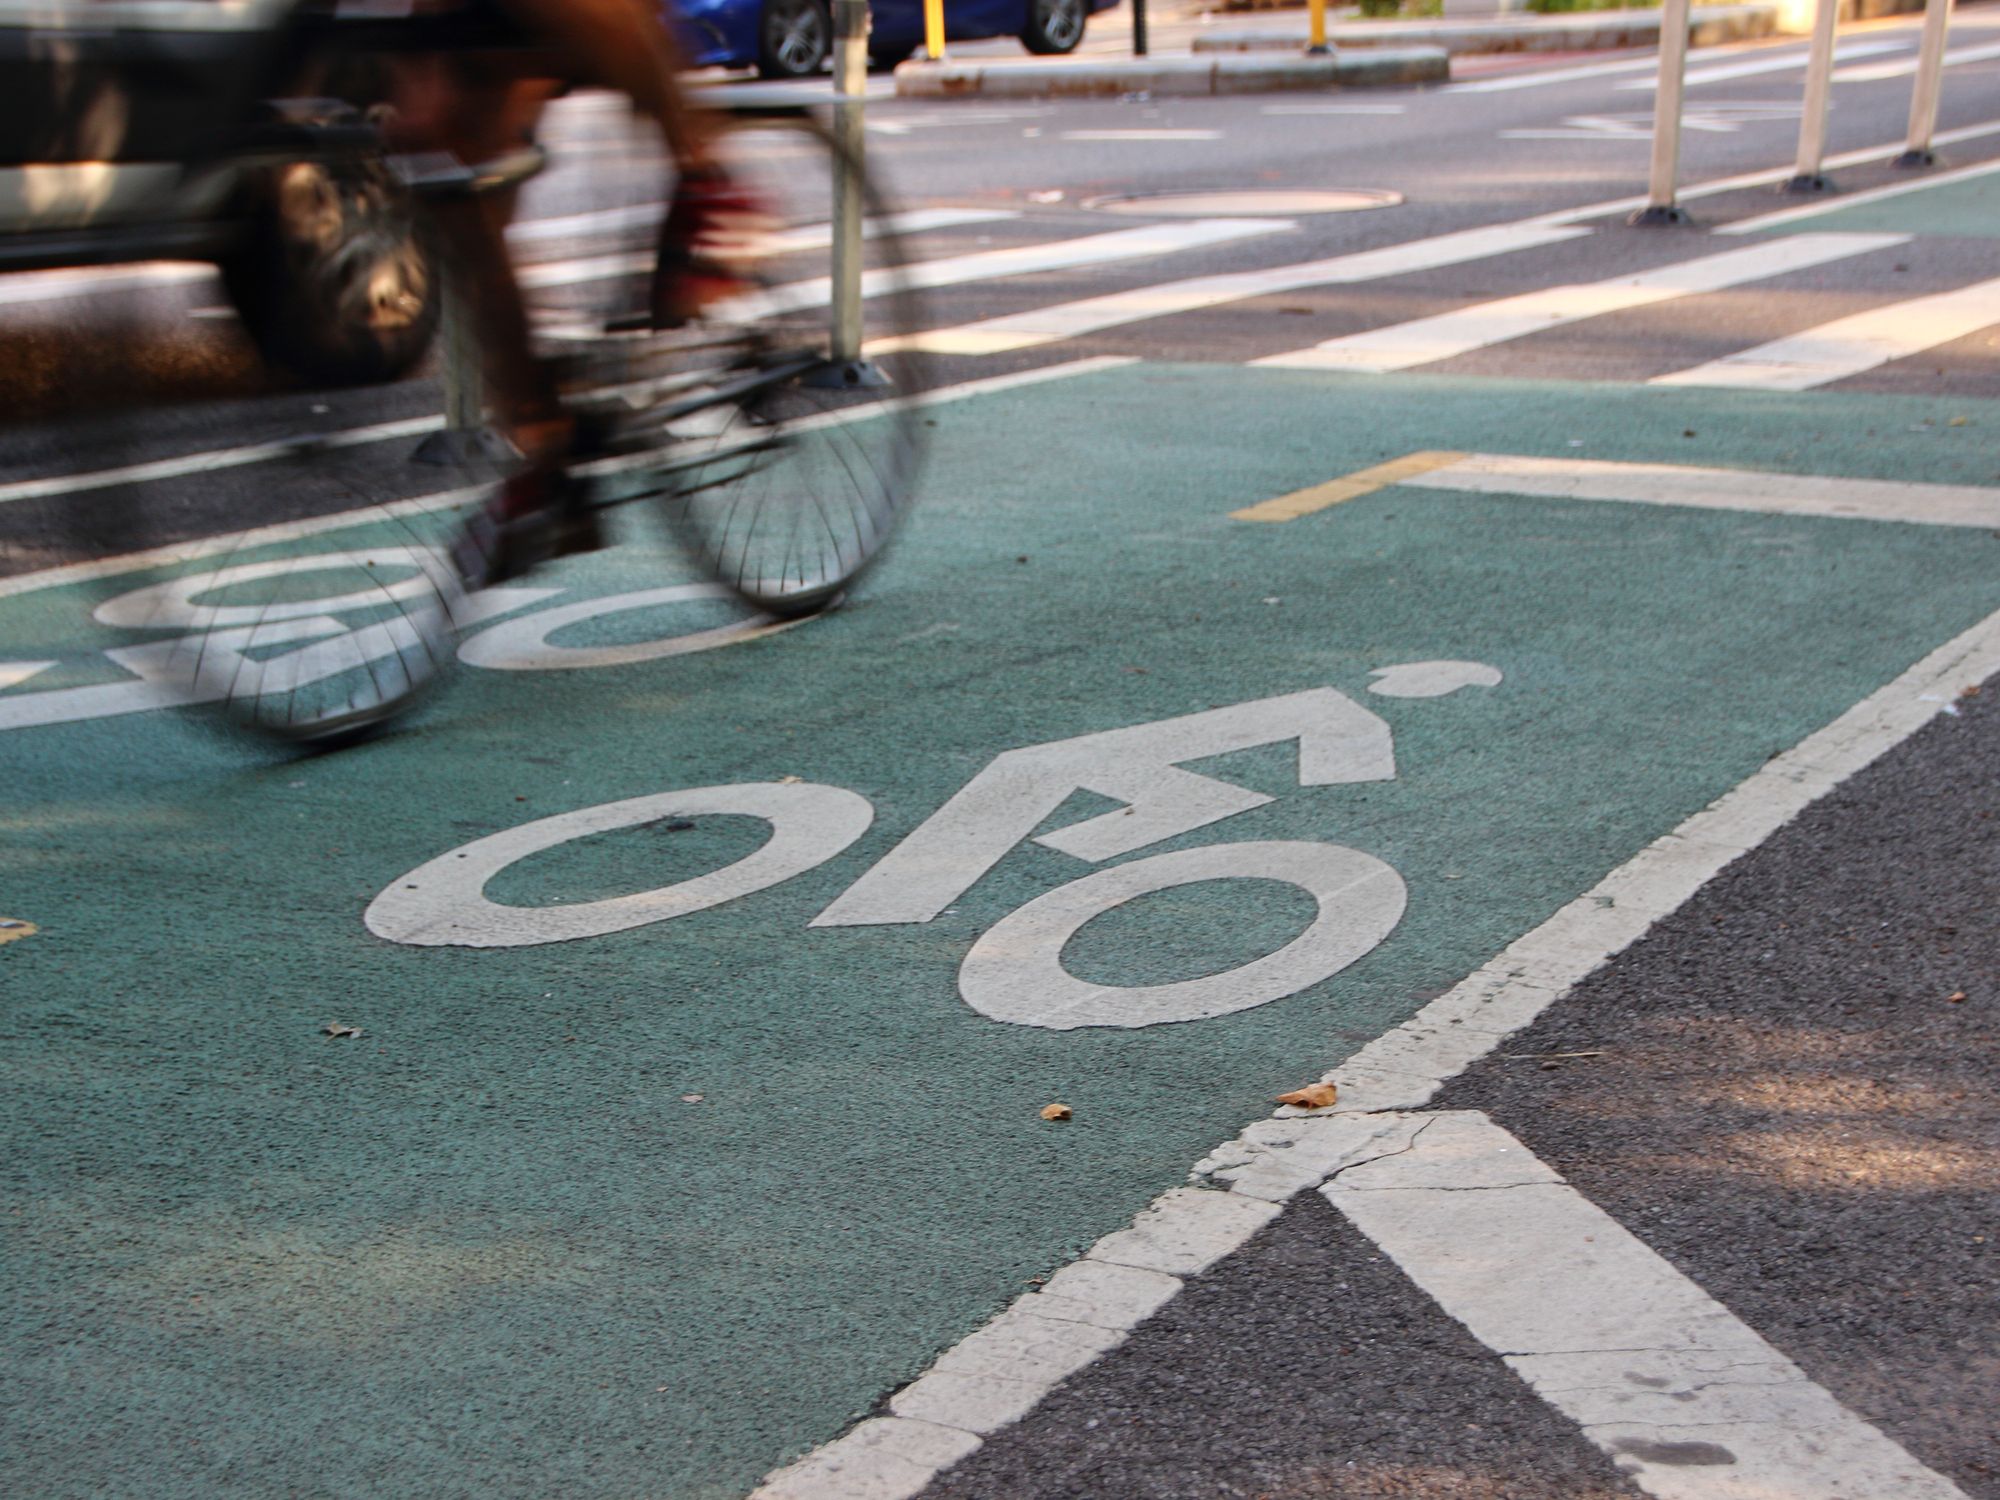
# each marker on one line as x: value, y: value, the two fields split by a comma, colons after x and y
x: 10, y: 930
x: 1351, y: 487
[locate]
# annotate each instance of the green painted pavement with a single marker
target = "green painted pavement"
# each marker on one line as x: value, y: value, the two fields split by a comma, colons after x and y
x: 1969, y: 207
x: 486, y: 1248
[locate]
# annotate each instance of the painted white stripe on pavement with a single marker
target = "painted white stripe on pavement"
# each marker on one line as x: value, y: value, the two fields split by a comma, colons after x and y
x: 893, y: 1458
x: 1876, y: 72
x: 1716, y: 489
x: 1513, y: 81
x: 1763, y: 178
x: 1426, y: 340
x: 803, y: 237
x: 1068, y: 320
x: 1684, y: 1398
x: 1722, y: 72
x: 1849, y: 346
x: 1855, y: 200
x: 135, y: 562
x: 1024, y: 260
x: 302, y: 445
x: 1140, y: 135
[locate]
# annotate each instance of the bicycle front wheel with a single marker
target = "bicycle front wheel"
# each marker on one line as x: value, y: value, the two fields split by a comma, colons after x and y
x: 782, y: 470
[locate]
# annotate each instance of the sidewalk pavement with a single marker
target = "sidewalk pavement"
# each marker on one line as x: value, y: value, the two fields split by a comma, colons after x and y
x: 1248, y: 57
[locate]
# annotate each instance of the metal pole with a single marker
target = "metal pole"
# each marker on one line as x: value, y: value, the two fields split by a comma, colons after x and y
x: 465, y: 436
x: 845, y: 367
x: 934, y: 30
x: 1806, y: 176
x: 1316, y: 41
x: 1663, y: 180
x: 1138, y: 28
x: 1930, y: 83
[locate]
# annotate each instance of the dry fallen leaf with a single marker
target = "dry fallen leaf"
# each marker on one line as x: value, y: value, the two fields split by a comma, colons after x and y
x: 1055, y: 1112
x: 691, y: 1098
x: 1969, y: 692
x: 1956, y: 997
x: 1312, y: 1096
x: 340, y: 1028
x: 790, y: 780
x: 12, y: 929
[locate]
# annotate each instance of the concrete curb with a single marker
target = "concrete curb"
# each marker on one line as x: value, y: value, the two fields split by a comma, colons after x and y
x: 1038, y: 78
x: 1709, y: 26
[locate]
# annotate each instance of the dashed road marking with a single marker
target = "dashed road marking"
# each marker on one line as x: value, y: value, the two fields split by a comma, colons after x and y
x: 1852, y: 345
x: 1427, y: 340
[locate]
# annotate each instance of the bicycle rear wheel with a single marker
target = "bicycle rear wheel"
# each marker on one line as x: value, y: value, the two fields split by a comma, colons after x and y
x: 782, y: 473
x: 300, y: 637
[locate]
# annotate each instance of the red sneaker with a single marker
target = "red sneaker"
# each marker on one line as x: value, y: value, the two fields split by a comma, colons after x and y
x: 707, y: 241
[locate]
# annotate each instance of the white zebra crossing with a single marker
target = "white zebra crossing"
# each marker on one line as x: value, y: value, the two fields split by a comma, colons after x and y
x: 1068, y: 320
x: 1852, y: 345
x: 1427, y: 340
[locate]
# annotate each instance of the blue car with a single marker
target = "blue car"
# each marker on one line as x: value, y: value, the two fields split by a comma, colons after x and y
x: 792, y: 38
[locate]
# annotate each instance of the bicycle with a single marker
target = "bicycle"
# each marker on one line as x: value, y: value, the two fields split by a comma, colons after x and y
x: 781, y: 469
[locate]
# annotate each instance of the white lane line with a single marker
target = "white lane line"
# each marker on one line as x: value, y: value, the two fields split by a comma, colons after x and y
x: 1685, y: 1399
x: 1140, y: 135
x: 1722, y: 72
x: 1849, y: 346
x: 1024, y: 260
x: 301, y: 446
x: 1331, y: 109
x: 1425, y: 340
x: 1855, y: 200
x: 135, y: 562
x: 1762, y: 178
x: 1009, y: 1366
x: 1876, y: 72
x: 1716, y: 489
x: 1068, y: 320
x: 1515, y: 81
x: 804, y: 237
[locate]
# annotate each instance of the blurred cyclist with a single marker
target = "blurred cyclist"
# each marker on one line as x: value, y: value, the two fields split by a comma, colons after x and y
x: 481, y: 107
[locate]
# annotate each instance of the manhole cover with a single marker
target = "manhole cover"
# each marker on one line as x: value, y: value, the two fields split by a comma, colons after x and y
x: 1293, y: 201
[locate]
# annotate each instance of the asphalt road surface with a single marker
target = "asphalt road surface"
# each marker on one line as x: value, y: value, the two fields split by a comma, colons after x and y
x: 1629, y: 593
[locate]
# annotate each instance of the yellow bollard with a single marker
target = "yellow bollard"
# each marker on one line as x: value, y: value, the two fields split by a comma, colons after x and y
x: 934, y: 29
x: 1316, y: 45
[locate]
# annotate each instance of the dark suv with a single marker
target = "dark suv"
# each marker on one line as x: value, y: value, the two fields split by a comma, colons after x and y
x: 198, y: 130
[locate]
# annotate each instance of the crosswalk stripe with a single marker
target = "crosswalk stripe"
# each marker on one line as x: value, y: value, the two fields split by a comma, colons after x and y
x: 1848, y: 346
x: 1722, y: 72
x: 1426, y: 340
x: 804, y: 237
x: 1068, y: 320
x: 1021, y: 260
x: 1903, y: 67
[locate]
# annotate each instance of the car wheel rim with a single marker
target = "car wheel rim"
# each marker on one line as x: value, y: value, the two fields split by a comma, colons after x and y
x: 1062, y: 21
x: 798, y: 44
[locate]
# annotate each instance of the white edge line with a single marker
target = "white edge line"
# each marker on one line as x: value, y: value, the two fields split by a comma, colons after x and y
x: 178, y: 552
x: 1000, y: 1372
x: 1855, y: 200
x: 1761, y: 178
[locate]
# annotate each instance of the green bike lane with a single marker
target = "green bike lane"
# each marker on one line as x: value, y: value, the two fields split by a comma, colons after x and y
x: 655, y: 1210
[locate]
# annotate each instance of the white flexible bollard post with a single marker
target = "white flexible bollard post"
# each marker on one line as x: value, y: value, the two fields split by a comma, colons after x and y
x: 1806, y: 175
x: 845, y: 365
x: 1929, y: 85
x: 1662, y: 182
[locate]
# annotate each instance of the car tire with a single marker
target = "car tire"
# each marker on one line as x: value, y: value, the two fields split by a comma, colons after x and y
x: 794, y: 38
x: 332, y: 272
x: 1055, y: 26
